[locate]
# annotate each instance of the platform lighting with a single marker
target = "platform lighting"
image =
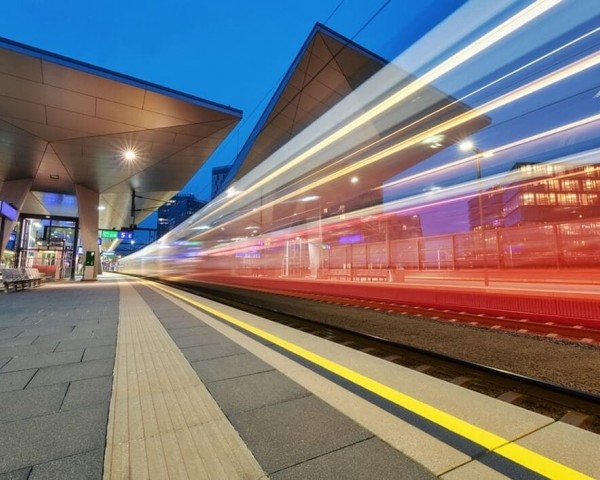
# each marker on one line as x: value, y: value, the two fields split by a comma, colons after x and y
x: 101, y: 207
x: 129, y: 155
x: 354, y: 180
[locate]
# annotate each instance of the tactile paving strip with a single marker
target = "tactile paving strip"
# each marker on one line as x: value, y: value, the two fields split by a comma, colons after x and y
x: 163, y: 423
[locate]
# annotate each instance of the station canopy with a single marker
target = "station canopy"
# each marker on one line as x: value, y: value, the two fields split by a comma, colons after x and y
x: 65, y: 123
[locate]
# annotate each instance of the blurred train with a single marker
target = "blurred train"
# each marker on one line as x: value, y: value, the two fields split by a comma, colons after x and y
x: 375, y: 200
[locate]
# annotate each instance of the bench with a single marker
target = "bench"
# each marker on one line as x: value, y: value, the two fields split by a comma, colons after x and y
x: 20, y: 277
x: 34, y: 276
x: 338, y: 274
x: 370, y: 274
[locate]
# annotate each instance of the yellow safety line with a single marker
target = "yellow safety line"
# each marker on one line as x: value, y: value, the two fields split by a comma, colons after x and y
x: 492, y: 442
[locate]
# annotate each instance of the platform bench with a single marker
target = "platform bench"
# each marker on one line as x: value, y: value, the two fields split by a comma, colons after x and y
x: 13, y: 278
x: 20, y: 277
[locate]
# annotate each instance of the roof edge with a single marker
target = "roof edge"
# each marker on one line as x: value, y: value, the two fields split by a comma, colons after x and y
x: 115, y: 76
x: 318, y: 27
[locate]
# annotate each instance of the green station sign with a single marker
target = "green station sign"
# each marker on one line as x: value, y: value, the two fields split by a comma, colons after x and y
x: 109, y: 234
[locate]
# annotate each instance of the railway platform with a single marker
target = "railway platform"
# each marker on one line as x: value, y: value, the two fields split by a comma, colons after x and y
x: 122, y: 378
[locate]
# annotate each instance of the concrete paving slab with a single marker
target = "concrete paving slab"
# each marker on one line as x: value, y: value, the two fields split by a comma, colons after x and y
x: 75, y: 343
x: 22, y: 350
x: 11, y: 332
x: 28, y: 340
x: 254, y: 391
x: 22, y: 474
x: 72, y: 372
x: 371, y: 458
x: 196, y: 331
x: 97, y: 353
x: 229, y: 367
x: 43, y: 360
x: 84, y: 466
x: 15, y: 380
x: 51, y: 437
x: 568, y: 445
x: 205, y: 352
x: 289, y: 433
x: 32, y: 402
x: 48, y: 330
x: 83, y: 393
x: 209, y: 338
x: 4, y: 361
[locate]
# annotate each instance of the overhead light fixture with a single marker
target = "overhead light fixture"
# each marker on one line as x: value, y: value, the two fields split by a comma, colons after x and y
x: 54, y: 176
x: 101, y: 207
x: 129, y: 155
x: 310, y: 198
x: 354, y: 180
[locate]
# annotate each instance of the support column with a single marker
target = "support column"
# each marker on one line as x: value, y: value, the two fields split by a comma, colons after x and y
x: 15, y: 192
x: 87, y: 201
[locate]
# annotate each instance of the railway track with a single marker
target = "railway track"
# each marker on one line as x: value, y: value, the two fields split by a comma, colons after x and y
x: 573, y: 406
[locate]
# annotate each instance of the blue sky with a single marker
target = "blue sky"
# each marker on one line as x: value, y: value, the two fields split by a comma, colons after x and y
x: 231, y: 52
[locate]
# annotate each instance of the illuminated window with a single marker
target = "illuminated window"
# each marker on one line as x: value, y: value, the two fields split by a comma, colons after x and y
x: 545, y: 198
x: 589, y: 199
x: 591, y: 185
x: 527, y: 199
x: 570, y: 185
x: 568, y: 199
x: 552, y: 185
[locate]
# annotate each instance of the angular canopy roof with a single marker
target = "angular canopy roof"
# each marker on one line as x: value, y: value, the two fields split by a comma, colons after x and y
x: 64, y: 122
x: 326, y: 70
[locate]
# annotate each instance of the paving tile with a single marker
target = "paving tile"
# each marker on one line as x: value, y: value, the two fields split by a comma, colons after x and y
x: 371, y: 458
x: 51, y: 437
x: 22, y: 474
x: 22, y: 350
x: 254, y: 391
x: 75, y: 343
x: 209, y: 338
x: 28, y: 340
x: 48, y: 330
x: 289, y: 433
x: 229, y: 367
x: 83, y: 393
x: 15, y: 380
x: 83, y: 466
x: 32, y: 402
x: 96, y: 353
x: 73, y: 372
x: 43, y: 360
x: 205, y: 352
x: 198, y: 330
x: 11, y: 332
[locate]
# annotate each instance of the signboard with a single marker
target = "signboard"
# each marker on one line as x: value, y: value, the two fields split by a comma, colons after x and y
x: 89, y: 258
x: 8, y: 211
x: 109, y: 234
x: 125, y: 234
x: 108, y: 254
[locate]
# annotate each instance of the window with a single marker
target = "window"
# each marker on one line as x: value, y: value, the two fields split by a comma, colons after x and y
x: 570, y: 185
x: 591, y: 185
x: 553, y: 185
x: 527, y: 199
x: 545, y: 198
x: 568, y: 199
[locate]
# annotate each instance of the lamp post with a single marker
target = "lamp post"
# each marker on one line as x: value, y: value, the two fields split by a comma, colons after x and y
x: 468, y: 146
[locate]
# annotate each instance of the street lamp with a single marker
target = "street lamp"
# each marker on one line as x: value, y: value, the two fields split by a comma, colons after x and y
x: 469, y: 146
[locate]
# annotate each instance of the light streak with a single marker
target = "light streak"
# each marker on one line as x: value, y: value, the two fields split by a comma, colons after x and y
x: 495, y: 150
x: 517, y: 21
x: 525, y: 90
